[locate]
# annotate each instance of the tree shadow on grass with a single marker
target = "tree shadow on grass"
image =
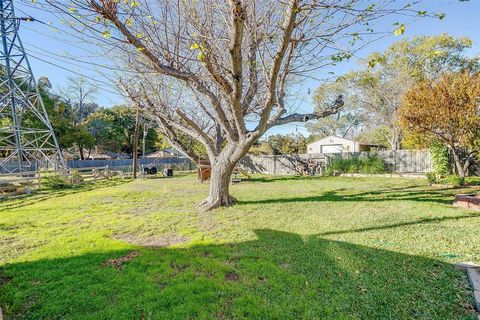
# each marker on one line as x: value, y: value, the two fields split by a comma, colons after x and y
x: 402, y: 224
x: 43, y: 195
x: 443, y: 196
x: 278, y: 276
x: 268, y: 179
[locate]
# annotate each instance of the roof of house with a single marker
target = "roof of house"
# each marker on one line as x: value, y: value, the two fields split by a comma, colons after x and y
x: 348, y: 139
x: 161, y: 153
x: 109, y: 155
x: 334, y: 136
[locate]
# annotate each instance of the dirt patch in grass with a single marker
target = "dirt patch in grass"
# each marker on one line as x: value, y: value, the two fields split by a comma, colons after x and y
x: 232, y: 276
x: 4, y: 279
x: 207, y: 222
x: 153, y: 241
x: 120, y: 262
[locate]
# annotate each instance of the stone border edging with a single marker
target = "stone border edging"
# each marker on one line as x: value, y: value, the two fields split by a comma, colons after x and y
x: 473, y: 272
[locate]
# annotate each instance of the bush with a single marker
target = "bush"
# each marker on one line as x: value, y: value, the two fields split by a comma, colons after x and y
x: 372, y: 164
x: 452, y: 180
x: 455, y: 180
x: 473, y: 181
x: 56, y: 182
x: 431, y: 177
x: 440, y: 160
x: 369, y: 165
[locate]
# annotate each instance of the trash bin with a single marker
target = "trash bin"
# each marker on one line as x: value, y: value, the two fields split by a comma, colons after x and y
x: 168, y: 172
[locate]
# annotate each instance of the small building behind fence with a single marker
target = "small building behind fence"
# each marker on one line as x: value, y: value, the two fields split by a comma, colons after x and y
x: 335, y: 144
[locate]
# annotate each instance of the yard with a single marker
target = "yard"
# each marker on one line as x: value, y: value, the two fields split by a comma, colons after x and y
x: 292, y: 248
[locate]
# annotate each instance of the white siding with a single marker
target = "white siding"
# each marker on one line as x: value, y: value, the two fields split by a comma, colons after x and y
x: 333, y: 144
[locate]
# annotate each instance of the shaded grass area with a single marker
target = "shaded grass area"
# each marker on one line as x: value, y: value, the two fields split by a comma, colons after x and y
x: 293, y: 248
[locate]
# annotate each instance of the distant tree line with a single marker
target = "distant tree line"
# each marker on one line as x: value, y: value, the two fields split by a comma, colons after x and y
x: 374, y: 94
x: 82, y: 126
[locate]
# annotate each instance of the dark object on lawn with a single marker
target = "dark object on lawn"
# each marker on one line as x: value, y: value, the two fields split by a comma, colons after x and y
x: 469, y: 201
x: 152, y: 170
x: 168, y: 172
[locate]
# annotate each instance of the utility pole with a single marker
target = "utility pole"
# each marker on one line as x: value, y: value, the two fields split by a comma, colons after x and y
x: 135, y: 144
x: 145, y: 130
x: 24, y: 146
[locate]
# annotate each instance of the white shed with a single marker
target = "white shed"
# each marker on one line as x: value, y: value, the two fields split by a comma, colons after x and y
x: 333, y: 144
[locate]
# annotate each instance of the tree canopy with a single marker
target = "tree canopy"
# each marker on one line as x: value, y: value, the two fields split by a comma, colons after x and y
x: 374, y: 93
x: 446, y: 110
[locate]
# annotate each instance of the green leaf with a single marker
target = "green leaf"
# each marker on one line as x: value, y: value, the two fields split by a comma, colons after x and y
x: 400, y: 30
x: 201, y: 56
x: 106, y: 34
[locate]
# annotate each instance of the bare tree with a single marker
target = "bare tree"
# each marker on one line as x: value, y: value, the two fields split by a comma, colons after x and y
x: 223, y: 72
x: 80, y: 94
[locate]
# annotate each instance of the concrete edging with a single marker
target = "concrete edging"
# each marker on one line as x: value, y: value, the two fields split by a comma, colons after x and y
x: 473, y: 272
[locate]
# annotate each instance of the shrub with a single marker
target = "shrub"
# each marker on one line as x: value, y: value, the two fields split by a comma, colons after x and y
x: 369, y: 165
x: 440, y: 161
x: 337, y: 165
x: 473, y: 181
x: 76, y: 174
x: 431, y: 177
x: 372, y: 164
x: 56, y: 182
x: 455, y: 180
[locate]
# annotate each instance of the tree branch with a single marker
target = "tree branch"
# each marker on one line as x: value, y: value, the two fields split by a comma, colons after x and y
x: 304, y: 117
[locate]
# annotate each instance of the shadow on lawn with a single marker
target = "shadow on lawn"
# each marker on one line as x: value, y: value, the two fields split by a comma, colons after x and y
x: 43, y: 195
x: 279, y: 276
x: 279, y: 178
x: 444, y: 196
x: 396, y: 225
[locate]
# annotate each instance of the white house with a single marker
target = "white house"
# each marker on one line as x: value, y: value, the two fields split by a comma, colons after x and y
x: 334, y: 144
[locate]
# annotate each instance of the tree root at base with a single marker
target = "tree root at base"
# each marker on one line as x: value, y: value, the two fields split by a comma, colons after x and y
x: 209, y: 204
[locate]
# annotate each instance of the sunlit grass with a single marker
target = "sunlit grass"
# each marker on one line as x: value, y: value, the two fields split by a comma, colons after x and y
x: 291, y: 248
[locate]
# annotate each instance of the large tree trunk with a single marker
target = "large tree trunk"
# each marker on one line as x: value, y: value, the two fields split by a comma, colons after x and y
x: 219, y: 195
x: 222, y: 168
x: 458, y: 163
x: 395, y: 140
x: 80, y: 150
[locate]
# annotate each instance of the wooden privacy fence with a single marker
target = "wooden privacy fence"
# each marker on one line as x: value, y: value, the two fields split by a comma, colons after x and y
x: 400, y: 161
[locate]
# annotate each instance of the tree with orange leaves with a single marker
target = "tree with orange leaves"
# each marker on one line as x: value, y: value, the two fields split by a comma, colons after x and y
x: 446, y: 110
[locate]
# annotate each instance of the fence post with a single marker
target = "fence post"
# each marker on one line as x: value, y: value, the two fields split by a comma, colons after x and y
x: 38, y: 178
x: 274, y: 164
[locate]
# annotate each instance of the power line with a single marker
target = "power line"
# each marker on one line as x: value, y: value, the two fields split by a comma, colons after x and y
x: 75, y: 59
x: 77, y: 73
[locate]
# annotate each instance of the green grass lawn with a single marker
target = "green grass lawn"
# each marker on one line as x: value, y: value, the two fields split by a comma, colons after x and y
x: 292, y: 248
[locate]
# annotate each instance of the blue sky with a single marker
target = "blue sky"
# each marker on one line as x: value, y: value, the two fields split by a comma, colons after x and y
x: 44, y: 46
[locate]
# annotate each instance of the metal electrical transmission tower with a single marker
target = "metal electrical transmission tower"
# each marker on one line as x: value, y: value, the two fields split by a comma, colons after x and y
x: 27, y: 140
